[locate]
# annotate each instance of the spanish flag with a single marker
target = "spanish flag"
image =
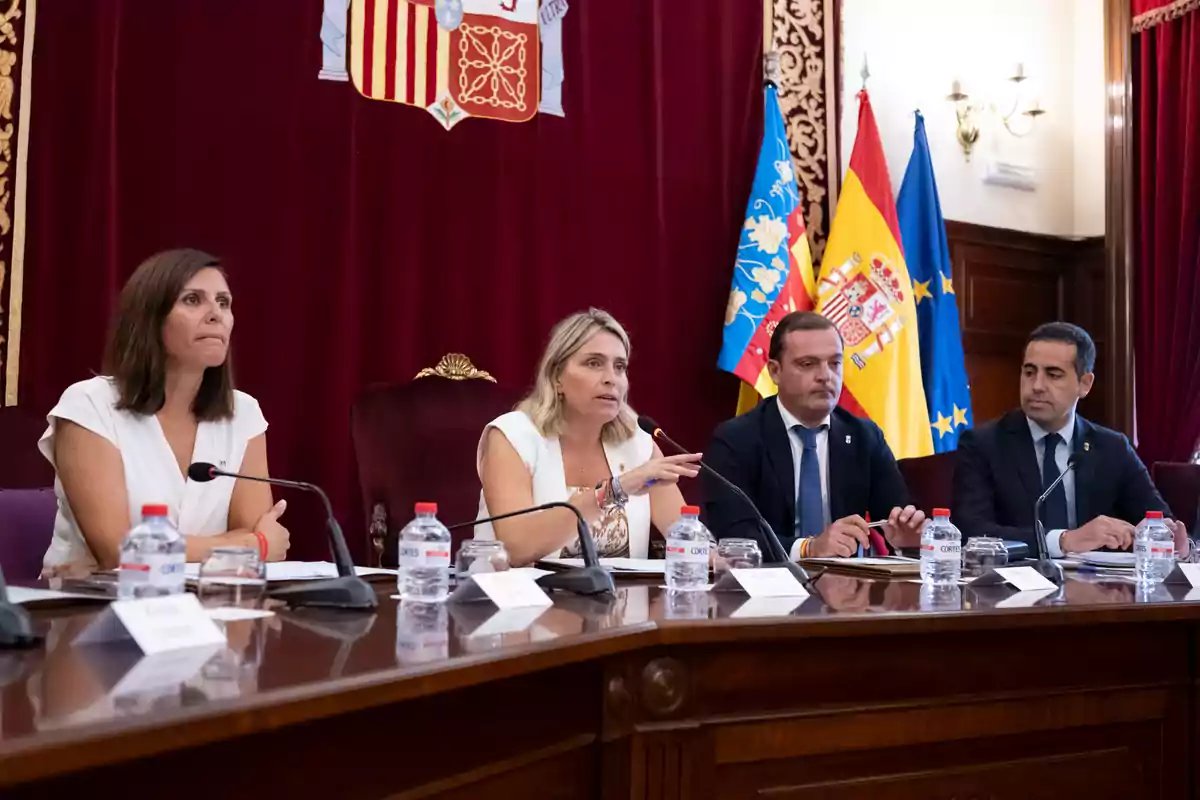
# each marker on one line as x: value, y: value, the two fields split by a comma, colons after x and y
x: 865, y: 289
x: 773, y: 272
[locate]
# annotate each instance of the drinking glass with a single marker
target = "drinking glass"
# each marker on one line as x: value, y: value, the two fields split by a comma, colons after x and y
x: 481, y: 555
x: 983, y: 553
x: 232, y: 576
x: 736, y: 554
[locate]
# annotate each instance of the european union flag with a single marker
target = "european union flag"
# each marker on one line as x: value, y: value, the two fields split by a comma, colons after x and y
x: 924, y: 235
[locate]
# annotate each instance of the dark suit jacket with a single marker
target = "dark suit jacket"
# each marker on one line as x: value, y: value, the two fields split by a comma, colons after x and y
x: 753, y: 451
x: 997, y: 479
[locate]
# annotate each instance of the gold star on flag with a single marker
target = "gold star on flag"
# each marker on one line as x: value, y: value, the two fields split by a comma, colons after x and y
x: 960, y: 416
x: 921, y: 289
x: 947, y: 285
x: 943, y: 425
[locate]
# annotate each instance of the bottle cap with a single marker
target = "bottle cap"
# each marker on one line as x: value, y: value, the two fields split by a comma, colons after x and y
x: 155, y: 510
x: 426, y: 508
x: 941, y: 512
x: 693, y: 510
x: 1154, y: 515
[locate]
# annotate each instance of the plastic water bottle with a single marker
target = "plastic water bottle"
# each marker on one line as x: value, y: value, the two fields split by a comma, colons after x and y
x: 941, y: 551
x: 153, y: 556
x: 1153, y: 549
x: 687, y: 552
x: 424, y: 556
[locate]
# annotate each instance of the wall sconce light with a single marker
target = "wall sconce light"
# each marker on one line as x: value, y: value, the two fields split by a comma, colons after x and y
x: 967, y: 131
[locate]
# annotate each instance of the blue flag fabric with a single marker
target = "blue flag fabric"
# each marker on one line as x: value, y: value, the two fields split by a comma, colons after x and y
x: 923, y: 232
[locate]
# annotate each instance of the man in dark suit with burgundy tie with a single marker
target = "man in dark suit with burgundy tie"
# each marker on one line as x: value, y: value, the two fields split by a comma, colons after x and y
x: 1004, y: 466
x: 813, y: 470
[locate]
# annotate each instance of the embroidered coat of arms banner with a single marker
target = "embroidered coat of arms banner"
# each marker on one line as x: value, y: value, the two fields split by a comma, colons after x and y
x: 453, y: 58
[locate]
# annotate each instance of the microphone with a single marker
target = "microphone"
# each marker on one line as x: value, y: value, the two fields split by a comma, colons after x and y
x: 590, y: 579
x: 347, y: 590
x: 1048, y: 568
x: 780, y: 554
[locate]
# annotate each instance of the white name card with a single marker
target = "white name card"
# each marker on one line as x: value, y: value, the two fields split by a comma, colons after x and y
x: 1189, y: 571
x: 769, y: 582
x: 156, y: 624
x: 1025, y: 579
x: 511, y: 589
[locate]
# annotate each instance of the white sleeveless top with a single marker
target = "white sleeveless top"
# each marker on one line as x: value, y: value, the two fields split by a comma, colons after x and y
x: 151, y: 472
x: 542, y: 456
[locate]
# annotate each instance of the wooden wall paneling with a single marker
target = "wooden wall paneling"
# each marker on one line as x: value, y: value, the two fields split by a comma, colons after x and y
x: 1007, y: 283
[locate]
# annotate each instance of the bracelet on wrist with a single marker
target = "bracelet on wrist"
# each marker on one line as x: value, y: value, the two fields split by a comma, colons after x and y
x: 602, y: 493
x: 262, y: 545
x: 618, y: 492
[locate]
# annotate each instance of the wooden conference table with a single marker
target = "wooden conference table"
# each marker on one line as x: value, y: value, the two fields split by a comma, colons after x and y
x: 863, y: 692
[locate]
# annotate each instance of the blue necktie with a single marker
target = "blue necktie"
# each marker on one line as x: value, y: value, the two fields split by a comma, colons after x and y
x: 810, y: 515
x: 1054, y: 511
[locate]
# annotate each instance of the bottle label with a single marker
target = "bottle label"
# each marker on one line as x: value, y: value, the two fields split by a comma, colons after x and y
x: 687, y: 551
x: 941, y: 550
x: 161, y: 570
x: 1162, y: 549
x: 424, y: 554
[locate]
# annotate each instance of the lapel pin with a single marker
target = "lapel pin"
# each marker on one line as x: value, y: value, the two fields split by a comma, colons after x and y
x: 1087, y: 446
x: 847, y: 438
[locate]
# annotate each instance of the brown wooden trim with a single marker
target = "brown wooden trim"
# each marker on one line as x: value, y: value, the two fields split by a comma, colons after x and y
x: 1118, y: 374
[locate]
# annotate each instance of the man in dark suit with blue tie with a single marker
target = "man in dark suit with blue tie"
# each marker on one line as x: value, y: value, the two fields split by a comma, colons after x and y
x: 813, y: 470
x: 1004, y: 466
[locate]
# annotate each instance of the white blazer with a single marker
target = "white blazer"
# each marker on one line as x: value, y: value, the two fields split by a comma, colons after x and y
x: 151, y: 472
x: 542, y: 456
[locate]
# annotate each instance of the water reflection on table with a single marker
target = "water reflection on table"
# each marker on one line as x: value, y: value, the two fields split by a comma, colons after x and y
x: 68, y: 685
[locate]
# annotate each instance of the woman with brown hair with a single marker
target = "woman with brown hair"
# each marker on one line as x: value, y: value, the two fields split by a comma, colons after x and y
x: 125, y: 439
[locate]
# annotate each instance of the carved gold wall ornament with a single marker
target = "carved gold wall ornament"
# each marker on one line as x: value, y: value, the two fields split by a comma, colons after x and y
x: 804, y: 36
x: 16, y: 49
x: 456, y: 367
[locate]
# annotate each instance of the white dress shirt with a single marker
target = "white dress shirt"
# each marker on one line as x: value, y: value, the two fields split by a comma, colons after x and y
x: 790, y: 422
x: 1061, y: 457
x: 542, y: 456
x: 152, y: 474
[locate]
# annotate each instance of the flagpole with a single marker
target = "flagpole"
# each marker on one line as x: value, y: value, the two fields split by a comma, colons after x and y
x: 768, y: 26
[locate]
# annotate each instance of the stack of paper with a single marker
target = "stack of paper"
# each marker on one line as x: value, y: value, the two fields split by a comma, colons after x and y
x: 886, y: 566
x: 639, y: 566
x: 300, y: 571
x: 33, y: 598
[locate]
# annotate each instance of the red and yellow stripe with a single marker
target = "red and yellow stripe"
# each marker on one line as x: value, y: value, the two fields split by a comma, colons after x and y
x: 887, y: 385
x: 398, y: 52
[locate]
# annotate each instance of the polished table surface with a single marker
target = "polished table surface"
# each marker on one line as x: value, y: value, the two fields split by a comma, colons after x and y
x: 627, y: 670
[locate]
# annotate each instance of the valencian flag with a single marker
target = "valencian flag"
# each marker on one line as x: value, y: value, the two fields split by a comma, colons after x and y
x: 865, y: 290
x: 453, y: 58
x: 773, y: 273
x: 924, y: 235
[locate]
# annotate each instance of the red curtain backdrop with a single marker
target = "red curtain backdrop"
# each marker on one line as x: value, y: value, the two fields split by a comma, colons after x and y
x: 363, y: 241
x: 1167, y: 141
